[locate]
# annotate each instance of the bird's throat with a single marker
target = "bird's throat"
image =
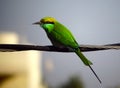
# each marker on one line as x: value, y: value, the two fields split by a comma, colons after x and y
x: 48, y: 27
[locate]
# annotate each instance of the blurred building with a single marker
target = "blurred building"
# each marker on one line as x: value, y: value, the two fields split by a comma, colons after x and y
x: 19, y: 69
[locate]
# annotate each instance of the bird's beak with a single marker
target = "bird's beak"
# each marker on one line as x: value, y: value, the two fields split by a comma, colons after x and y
x: 37, y: 23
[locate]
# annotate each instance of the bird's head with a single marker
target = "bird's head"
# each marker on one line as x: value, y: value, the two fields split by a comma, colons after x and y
x: 47, y: 23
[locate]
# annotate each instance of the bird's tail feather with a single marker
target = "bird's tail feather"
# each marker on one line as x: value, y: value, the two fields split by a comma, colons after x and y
x: 83, y: 58
x: 95, y: 74
x: 87, y: 63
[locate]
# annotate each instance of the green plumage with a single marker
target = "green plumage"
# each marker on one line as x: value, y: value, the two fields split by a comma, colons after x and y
x: 61, y: 36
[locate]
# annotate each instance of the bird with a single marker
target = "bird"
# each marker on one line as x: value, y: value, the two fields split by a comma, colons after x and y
x: 60, y: 36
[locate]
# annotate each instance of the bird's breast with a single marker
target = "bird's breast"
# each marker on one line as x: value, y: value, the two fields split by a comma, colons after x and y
x: 55, y: 42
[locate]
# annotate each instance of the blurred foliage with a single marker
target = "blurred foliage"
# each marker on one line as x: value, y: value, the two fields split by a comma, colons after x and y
x: 73, y: 82
x: 3, y: 78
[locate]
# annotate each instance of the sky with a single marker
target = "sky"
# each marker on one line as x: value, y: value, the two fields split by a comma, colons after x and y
x: 94, y: 22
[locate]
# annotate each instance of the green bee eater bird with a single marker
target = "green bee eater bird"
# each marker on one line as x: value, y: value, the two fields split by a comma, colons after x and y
x: 60, y: 36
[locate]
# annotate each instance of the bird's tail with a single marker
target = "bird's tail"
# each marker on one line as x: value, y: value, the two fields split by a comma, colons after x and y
x: 83, y: 58
x: 86, y: 62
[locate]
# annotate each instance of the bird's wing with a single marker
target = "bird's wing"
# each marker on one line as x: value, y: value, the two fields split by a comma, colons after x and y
x: 63, y: 36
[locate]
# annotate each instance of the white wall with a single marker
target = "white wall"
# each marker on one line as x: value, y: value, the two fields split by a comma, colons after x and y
x: 24, y: 66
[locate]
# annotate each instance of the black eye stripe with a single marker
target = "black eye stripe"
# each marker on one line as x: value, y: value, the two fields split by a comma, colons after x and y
x: 49, y: 22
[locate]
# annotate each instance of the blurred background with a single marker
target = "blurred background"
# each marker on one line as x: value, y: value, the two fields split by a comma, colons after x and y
x: 94, y: 22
